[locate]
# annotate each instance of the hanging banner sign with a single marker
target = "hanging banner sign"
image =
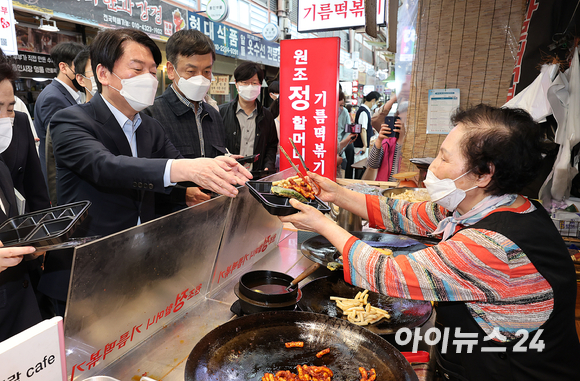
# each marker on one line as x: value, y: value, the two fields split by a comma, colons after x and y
x: 7, y: 32
x: 34, y: 65
x: 235, y: 43
x: 150, y: 16
x: 321, y: 15
x: 309, y: 101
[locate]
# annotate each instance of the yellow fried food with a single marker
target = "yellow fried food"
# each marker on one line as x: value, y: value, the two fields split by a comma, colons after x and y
x: 358, y: 310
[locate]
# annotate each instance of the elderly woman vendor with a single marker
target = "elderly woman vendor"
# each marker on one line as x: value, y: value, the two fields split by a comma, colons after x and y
x: 501, y: 273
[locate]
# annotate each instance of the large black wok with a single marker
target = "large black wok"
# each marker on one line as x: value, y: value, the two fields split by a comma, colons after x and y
x: 248, y: 347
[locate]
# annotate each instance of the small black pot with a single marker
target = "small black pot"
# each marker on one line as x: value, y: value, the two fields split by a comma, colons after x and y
x: 262, y: 291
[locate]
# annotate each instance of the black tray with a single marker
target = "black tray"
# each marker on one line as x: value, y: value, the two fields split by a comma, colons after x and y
x: 44, y: 228
x: 277, y: 205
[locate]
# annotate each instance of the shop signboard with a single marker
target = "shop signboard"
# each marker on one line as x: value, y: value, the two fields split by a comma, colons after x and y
x: 220, y: 85
x: 309, y: 101
x: 7, y: 32
x: 270, y: 31
x: 233, y: 42
x: 217, y: 10
x: 34, y: 65
x: 150, y: 16
x: 321, y: 15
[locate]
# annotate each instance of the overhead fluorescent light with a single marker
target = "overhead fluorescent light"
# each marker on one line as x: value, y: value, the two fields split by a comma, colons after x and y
x: 48, y: 25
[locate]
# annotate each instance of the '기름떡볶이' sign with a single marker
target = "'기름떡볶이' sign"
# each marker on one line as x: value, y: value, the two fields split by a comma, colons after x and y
x: 150, y: 16
x: 220, y: 85
x: 233, y: 42
x: 309, y: 102
x: 319, y: 15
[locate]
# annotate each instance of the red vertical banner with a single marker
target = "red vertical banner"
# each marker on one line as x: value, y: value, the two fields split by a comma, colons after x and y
x: 309, y: 102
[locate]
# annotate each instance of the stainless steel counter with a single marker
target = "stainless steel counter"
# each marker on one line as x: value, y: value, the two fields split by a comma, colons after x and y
x: 163, y: 356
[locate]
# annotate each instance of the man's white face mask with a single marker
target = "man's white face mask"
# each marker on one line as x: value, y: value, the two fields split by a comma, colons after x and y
x: 194, y: 88
x: 5, y: 133
x: 138, y: 91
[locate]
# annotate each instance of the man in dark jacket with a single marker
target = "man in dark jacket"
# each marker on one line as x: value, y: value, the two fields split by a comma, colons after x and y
x: 62, y: 92
x: 250, y: 128
x: 194, y: 127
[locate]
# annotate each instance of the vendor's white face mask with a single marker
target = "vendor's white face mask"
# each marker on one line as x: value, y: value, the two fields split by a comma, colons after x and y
x: 444, y: 192
x: 194, y: 88
x: 5, y: 133
x: 138, y: 91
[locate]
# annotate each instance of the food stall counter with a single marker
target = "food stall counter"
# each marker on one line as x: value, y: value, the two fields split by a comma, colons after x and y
x: 163, y: 355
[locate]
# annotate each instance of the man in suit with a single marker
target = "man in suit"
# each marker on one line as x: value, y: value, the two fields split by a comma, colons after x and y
x: 194, y: 127
x: 20, y: 156
x: 18, y: 305
x: 112, y: 155
x: 62, y: 92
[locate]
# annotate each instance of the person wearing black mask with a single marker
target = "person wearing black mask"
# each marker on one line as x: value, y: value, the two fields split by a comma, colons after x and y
x: 62, y: 92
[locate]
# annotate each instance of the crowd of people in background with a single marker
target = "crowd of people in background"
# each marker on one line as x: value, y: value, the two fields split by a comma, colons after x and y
x: 100, y: 134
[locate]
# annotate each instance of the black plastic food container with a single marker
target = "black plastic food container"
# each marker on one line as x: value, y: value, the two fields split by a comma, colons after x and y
x: 263, y: 290
x: 44, y: 227
x: 278, y: 205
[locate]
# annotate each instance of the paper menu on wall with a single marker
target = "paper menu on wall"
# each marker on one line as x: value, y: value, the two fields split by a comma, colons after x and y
x: 35, y: 354
x: 441, y: 105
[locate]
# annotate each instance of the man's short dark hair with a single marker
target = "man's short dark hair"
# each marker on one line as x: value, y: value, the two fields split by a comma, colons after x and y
x: 108, y: 47
x: 274, y: 88
x: 187, y: 43
x: 372, y: 95
x: 6, y: 69
x: 81, y: 61
x: 340, y: 96
x: 65, y: 52
x: 247, y: 70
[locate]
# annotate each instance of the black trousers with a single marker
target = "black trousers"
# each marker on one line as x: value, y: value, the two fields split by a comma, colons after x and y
x: 349, y: 153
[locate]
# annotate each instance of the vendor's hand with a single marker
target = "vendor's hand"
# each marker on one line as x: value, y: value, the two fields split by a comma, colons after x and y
x: 12, y: 256
x: 362, y: 150
x: 328, y: 189
x: 308, y: 217
x: 194, y: 195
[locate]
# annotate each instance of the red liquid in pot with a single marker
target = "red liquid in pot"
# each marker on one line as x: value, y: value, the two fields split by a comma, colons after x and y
x: 270, y: 289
